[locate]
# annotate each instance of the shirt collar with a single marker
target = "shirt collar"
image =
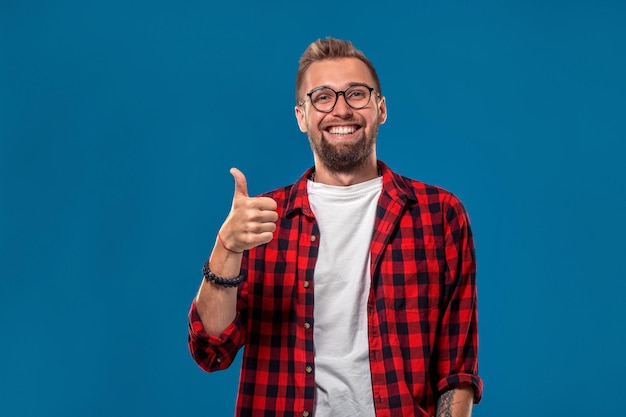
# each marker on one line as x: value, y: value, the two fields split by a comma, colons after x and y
x: 394, y: 186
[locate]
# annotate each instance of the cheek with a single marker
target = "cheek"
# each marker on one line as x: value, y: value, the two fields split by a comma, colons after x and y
x: 313, y: 123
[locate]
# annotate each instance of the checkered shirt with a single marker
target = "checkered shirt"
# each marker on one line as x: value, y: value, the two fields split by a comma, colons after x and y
x: 422, y: 313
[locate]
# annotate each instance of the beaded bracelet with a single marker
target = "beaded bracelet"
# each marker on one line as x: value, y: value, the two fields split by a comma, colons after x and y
x: 222, y: 282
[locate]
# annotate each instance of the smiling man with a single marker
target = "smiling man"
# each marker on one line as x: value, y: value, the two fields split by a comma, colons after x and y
x: 342, y: 133
x: 353, y: 290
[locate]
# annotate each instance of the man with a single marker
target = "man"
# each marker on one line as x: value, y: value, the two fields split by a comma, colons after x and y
x: 353, y: 290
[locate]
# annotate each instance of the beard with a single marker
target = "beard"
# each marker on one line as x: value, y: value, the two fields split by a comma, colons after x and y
x: 344, y: 157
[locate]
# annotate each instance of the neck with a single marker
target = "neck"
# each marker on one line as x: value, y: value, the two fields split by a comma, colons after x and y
x: 362, y: 174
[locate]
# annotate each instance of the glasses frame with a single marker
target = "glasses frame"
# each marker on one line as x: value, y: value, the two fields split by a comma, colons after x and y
x: 343, y: 93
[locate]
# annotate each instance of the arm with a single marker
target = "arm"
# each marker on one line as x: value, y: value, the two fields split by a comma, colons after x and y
x: 251, y: 222
x: 457, y: 334
x: 456, y: 402
x: 216, y: 305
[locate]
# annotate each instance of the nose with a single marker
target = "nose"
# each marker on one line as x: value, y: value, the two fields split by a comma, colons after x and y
x: 341, y: 106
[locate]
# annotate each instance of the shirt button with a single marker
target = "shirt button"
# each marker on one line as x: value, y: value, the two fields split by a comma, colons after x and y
x: 306, y: 284
x: 312, y: 238
x: 307, y: 325
x: 309, y: 369
x: 305, y: 414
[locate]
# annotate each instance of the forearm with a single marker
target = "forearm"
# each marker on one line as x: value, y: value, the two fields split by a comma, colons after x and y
x: 456, y: 402
x: 216, y: 305
x: 250, y: 223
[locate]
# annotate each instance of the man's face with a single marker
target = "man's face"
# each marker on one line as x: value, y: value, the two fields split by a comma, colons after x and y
x: 344, y: 138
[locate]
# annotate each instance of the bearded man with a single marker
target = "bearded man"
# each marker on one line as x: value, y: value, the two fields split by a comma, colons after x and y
x: 353, y: 290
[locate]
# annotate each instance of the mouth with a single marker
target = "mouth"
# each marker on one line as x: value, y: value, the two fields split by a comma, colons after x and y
x: 343, y: 130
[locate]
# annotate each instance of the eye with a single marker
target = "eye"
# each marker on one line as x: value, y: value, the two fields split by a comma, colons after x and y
x: 323, y: 96
x: 357, y: 93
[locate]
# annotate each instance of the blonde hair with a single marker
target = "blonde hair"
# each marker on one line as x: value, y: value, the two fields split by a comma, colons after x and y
x: 330, y: 48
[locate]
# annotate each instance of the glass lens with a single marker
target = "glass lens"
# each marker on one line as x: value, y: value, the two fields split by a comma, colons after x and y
x: 323, y: 99
x: 358, y: 96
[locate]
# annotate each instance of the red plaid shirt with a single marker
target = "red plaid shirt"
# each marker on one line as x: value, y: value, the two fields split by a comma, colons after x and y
x: 422, y: 317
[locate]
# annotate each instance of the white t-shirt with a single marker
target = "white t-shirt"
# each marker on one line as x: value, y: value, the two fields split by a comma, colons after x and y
x: 345, y: 216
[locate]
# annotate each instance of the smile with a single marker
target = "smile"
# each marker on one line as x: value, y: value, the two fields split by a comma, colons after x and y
x: 342, y: 130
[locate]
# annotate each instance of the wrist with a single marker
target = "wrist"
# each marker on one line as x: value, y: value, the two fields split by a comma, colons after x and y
x: 228, y: 247
x: 225, y: 282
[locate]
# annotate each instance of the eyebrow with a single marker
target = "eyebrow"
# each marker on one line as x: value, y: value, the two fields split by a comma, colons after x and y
x: 354, y: 84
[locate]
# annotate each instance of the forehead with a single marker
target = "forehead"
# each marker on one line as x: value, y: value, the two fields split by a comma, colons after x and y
x: 337, y: 73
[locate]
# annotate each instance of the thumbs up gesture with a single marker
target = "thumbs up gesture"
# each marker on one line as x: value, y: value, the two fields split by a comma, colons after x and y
x: 251, y: 221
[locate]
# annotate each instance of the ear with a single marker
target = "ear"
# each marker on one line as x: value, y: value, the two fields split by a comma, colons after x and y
x: 382, y: 111
x: 301, y: 118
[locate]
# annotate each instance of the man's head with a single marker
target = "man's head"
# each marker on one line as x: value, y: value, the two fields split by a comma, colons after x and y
x: 330, y: 48
x: 339, y: 106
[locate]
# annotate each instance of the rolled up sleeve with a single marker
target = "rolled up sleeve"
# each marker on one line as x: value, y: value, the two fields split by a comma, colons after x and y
x: 213, y: 353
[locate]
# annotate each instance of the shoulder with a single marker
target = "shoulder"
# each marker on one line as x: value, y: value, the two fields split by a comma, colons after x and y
x: 428, y: 197
x: 281, y: 193
x: 290, y: 198
x: 422, y: 192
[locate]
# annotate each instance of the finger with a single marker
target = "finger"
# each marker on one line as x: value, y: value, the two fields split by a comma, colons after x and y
x: 264, y: 203
x: 267, y: 228
x: 241, y: 184
x: 253, y: 239
x: 256, y: 228
x: 265, y: 237
x: 265, y: 216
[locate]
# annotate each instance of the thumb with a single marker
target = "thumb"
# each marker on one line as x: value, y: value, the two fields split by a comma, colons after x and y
x: 241, y: 185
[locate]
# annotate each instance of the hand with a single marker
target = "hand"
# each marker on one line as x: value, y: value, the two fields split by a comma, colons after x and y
x: 251, y: 221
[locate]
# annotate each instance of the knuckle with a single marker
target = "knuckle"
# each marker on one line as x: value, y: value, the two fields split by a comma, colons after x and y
x: 248, y: 241
x: 249, y: 203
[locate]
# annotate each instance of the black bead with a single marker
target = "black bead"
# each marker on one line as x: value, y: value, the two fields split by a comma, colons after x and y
x: 222, y: 282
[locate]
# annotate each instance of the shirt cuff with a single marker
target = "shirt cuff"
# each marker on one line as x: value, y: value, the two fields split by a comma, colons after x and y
x: 213, y: 352
x: 459, y: 380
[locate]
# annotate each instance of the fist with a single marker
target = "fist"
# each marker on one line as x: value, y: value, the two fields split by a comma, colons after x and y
x: 251, y: 221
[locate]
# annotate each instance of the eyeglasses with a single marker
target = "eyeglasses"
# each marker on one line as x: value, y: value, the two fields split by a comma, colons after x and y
x: 324, y: 99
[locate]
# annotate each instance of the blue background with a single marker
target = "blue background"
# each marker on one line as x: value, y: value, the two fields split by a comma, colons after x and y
x: 119, y: 121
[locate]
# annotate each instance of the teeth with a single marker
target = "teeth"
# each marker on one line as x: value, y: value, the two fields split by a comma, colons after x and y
x: 342, y: 130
